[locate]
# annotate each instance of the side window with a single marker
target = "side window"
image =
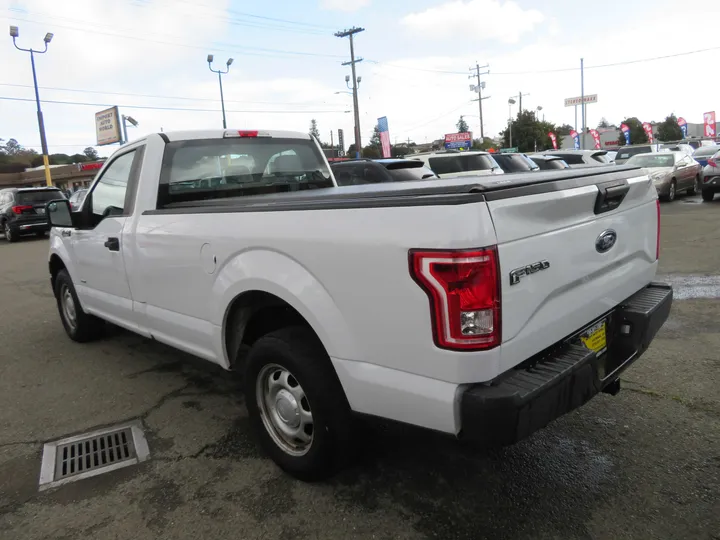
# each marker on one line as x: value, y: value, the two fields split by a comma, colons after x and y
x: 108, y: 196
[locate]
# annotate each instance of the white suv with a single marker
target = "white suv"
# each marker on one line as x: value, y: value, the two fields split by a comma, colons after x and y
x: 456, y: 163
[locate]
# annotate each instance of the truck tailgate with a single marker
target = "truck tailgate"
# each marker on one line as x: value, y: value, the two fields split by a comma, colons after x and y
x: 560, y: 269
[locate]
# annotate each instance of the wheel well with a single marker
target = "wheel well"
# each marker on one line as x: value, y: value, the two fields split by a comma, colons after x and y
x: 56, y: 264
x: 252, y: 315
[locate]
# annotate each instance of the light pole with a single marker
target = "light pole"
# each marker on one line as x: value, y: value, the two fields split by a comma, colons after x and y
x: 539, y: 108
x: 220, y: 73
x: 133, y: 122
x: 14, y: 33
x: 511, y: 102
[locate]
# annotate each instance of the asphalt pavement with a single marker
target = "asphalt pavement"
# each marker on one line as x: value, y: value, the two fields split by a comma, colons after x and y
x: 643, y: 464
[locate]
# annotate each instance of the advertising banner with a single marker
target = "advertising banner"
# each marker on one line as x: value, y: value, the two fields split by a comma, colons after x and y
x: 709, y: 122
x: 626, y: 131
x: 384, y: 136
x: 458, y: 141
x: 576, y: 138
x: 683, y: 126
x: 648, y: 131
x: 553, y: 138
x: 107, y: 126
x: 596, y: 137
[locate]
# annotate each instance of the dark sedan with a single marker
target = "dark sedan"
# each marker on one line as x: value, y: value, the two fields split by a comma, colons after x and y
x: 376, y: 171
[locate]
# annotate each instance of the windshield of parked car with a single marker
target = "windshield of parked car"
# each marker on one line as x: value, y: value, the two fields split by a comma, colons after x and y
x: 38, y: 196
x: 652, y: 160
x: 457, y: 163
x: 215, y: 168
x: 706, y: 151
x: 627, y: 153
x: 511, y: 163
x: 402, y: 171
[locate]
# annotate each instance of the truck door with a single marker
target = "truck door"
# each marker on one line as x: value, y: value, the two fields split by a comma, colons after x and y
x: 98, y: 249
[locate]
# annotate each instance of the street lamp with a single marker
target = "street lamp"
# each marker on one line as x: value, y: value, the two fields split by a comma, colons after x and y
x: 15, y: 33
x: 220, y: 74
x: 511, y: 102
x: 539, y: 108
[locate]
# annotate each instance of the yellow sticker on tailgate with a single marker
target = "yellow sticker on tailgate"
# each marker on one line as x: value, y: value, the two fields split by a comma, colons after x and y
x: 595, y: 338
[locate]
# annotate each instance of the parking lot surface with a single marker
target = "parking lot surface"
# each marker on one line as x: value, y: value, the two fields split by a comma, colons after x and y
x: 643, y: 464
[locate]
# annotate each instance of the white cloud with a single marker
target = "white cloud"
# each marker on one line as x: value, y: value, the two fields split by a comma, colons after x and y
x: 344, y: 5
x: 481, y: 19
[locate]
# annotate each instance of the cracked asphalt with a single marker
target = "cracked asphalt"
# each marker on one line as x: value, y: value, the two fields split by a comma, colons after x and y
x: 643, y: 464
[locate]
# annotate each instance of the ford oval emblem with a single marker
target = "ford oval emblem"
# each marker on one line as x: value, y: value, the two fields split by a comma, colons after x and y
x: 605, y: 241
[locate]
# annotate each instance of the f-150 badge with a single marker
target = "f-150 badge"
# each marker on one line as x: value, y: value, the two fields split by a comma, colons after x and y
x: 518, y: 273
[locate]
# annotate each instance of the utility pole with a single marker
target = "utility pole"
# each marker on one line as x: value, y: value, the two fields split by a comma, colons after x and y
x: 350, y: 33
x: 582, y: 103
x: 332, y: 141
x: 479, y: 88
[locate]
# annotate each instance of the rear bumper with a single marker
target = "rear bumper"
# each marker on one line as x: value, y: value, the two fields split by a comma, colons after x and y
x: 27, y: 227
x: 711, y: 182
x: 562, y: 379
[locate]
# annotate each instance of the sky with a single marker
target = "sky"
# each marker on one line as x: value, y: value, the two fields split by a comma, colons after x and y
x: 643, y: 58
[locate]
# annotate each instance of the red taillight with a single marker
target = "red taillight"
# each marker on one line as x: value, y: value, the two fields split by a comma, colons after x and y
x: 248, y: 133
x: 657, y: 239
x: 464, y: 292
x: 19, y: 209
x: 712, y: 163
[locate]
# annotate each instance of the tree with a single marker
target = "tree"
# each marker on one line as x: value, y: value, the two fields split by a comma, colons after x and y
x: 13, y: 148
x: 375, y: 139
x: 637, y: 133
x: 462, y: 126
x: 91, y: 153
x: 669, y: 130
x: 372, y: 152
x: 399, y: 150
x: 564, y: 130
x: 604, y: 124
x: 314, y: 129
x: 486, y: 144
x: 528, y: 133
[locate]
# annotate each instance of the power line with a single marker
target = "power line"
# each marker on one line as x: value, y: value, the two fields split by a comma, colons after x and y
x: 443, y: 115
x: 251, y: 51
x: 129, y: 94
x: 162, y: 108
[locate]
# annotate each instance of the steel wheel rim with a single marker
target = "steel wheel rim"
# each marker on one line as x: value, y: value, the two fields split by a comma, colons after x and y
x: 284, y: 409
x: 671, y: 195
x: 68, y: 306
x: 8, y: 232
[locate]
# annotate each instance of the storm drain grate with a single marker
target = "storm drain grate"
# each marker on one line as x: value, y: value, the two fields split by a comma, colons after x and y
x: 90, y: 454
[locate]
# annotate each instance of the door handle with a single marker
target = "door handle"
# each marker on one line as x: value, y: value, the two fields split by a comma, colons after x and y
x: 66, y: 233
x: 113, y: 244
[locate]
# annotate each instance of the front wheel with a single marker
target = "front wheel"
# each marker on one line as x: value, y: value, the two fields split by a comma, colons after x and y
x: 79, y: 326
x: 671, y: 192
x: 296, y: 404
x: 708, y: 195
x: 696, y: 186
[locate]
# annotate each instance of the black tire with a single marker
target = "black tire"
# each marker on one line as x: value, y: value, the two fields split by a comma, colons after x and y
x: 10, y: 235
x: 85, y: 327
x: 708, y: 195
x: 672, y: 192
x: 693, y: 190
x: 297, y: 351
x: 40, y: 234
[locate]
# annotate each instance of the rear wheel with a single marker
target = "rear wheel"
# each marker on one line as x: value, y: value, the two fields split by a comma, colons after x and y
x: 707, y: 195
x: 79, y: 326
x: 696, y: 186
x: 40, y: 234
x: 10, y: 235
x: 297, y: 406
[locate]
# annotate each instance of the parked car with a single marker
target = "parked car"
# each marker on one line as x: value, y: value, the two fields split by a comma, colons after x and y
x: 480, y: 307
x: 77, y: 198
x: 711, y: 177
x: 611, y: 154
x: 22, y: 211
x: 577, y: 159
x: 678, y: 147
x: 515, y: 162
x: 671, y: 172
x: 455, y: 163
x: 368, y: 171
x: 626, y: 152
x: 704, y: 153
x: 547, y: 162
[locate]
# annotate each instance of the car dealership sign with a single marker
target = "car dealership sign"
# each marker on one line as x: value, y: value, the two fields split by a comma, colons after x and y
x: 575, y: 101
x: 107, y: 126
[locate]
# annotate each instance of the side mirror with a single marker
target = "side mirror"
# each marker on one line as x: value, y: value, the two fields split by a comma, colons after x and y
x: 59, y: 213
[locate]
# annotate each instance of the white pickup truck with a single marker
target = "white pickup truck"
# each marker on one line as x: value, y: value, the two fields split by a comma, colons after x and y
x: 480, y: 307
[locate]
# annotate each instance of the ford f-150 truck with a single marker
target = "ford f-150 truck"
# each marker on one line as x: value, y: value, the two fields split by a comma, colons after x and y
x: 482, y: 307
